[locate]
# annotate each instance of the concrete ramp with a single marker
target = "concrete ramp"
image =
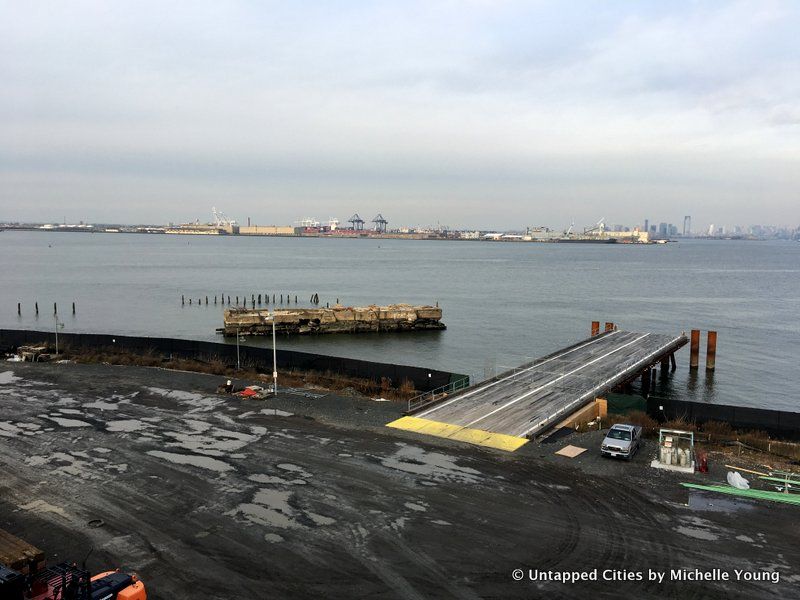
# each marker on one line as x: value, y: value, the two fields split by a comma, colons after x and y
x: 507, y: 410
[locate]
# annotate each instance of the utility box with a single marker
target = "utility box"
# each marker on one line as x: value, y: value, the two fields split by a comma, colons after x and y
x: 675, y: 451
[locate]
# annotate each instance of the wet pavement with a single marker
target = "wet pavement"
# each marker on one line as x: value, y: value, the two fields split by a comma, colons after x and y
x: 208, y: 496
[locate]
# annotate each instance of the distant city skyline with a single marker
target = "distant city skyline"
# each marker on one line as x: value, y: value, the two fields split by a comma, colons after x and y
x: 478, y: 114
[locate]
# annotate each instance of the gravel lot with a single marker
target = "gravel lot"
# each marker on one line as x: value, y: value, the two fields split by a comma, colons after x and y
x: 308, y: 495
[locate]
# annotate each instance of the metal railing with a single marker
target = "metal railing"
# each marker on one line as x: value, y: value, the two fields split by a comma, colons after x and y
x: 426, y: 398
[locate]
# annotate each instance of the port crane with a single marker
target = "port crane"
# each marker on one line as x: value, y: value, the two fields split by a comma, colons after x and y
x: 380, y: 223
x: 220, y: 220
x: 357, y: 222
x: 598, y: 227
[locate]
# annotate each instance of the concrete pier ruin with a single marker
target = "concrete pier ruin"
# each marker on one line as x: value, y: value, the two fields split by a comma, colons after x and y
x: 336, y: 319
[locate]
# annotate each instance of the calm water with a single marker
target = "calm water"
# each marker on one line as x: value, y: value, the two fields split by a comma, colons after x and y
x: 503, y: 303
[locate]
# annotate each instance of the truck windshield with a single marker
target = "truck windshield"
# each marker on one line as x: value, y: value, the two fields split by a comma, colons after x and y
x: 619, y: 434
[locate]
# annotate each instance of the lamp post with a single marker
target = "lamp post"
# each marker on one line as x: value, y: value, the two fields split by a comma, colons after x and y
x: 238, y: 362
x: 274, y: 359
x: 57, y: 325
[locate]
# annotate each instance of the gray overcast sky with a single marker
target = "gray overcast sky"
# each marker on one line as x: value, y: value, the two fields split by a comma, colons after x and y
x: 469, y: 113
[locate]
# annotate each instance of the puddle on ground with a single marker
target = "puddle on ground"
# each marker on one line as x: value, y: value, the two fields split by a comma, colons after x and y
x: 320, y: 519
x: 398, y: 523
x: 8, y: 377
x: 705, y: 502
x: 194, y: 460
x: 415, y: 460
x: 126, y: 426
x: 271, y: 508
x: 274, y: 412
x: 212, y: 441
x: 297, y: 470
x: 68, y: 422
x: 198, y: 402
x: 697, y: 533
x: 197, y: 426
x: 79, y: 465
x: 100, y: 405
x: 9, y: 429
x: 262, y: 478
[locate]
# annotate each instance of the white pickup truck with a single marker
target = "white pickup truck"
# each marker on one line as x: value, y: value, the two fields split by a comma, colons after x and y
x: 622, y: 440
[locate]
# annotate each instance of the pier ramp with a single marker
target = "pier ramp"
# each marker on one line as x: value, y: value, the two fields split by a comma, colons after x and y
x: 505, y: 412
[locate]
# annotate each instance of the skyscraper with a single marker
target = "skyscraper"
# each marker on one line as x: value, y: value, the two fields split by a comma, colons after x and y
x: 687, y: 225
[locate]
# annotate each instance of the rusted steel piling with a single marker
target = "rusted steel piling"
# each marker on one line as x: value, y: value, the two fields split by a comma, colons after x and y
x: 694, y: 349
x: 595, y: 328
x: 711, y: 351
x: 609, y: 326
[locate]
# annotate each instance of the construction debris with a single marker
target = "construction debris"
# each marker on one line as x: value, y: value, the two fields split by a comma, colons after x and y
x: 571, y: 451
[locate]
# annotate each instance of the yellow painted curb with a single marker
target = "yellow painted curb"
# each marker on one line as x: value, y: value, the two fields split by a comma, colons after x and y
x: 500, y: 441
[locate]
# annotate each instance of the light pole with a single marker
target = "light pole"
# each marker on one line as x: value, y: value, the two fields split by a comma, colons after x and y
x: 57, y: 325
x: 238, y: 362
x: 274, y: 359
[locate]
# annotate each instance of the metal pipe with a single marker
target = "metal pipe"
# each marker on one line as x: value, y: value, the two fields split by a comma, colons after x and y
x: 711, y: 351
x: 694, y: 352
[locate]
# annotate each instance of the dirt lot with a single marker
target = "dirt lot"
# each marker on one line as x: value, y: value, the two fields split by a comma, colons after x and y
x: 310, y: 496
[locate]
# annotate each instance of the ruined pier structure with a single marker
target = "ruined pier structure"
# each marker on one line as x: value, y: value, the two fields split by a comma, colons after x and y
x: 337, y: 319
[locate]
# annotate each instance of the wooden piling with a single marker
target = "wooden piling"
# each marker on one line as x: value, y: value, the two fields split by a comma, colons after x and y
x: 183, y: 300
x: 206, y: 300
x: 36, y: 307
x: 595, y: 328
x: 646, y: 383
x: 55, y: 308
x: 673, y: 364
x: 694, y: 349
x: 215, y: 300
x: 19, y: 309
x: 73, y: 308
x: 259, y: 299
x: 295, y: 299
x: 711, y: 351
x: 237, y: 300
x: 229, y: 300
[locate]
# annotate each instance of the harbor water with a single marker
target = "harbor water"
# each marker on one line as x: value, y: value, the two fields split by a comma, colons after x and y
x: 504, y: 303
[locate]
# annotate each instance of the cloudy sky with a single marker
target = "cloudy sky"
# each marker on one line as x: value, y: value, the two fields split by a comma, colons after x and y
x: 490, y: 113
